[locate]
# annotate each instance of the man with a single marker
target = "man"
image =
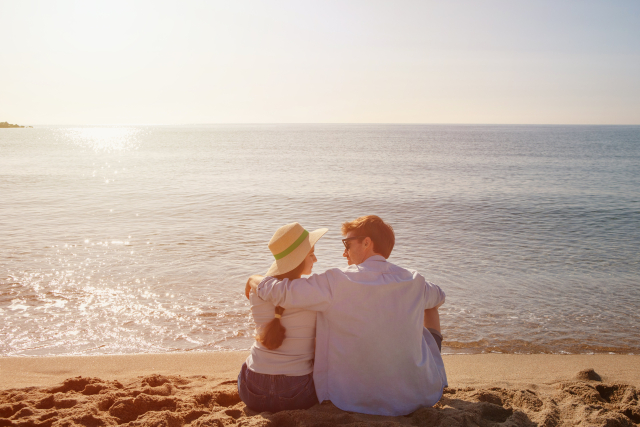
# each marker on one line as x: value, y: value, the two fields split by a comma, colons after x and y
x: 378, y: 328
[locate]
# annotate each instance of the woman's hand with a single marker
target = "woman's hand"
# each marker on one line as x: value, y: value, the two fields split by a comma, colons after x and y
x: 252, y: 284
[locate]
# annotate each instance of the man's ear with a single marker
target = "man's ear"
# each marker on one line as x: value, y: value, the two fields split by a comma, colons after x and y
x: 368, y: 243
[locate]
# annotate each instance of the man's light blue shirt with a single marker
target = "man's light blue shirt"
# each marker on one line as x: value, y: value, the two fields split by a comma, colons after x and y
x: 373, y: 354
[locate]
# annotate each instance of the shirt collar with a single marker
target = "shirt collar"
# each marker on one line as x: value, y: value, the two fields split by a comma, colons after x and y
x: 375, y: 258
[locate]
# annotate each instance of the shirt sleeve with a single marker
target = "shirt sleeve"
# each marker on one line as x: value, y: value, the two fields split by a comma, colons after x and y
x: 312, y: 293
x: 433, y: 295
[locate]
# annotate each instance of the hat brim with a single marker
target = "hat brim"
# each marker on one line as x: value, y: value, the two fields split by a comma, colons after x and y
x: 296, y: 257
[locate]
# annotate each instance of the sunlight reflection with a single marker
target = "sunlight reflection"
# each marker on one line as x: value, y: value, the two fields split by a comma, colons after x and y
x: 105, y: 139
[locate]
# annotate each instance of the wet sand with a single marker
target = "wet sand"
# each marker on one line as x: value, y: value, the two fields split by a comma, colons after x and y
x: 199, y: 389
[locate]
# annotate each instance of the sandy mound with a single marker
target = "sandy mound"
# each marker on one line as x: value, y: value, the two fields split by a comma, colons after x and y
x: 174, y: 401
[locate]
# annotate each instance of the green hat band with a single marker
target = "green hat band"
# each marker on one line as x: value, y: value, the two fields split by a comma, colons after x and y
x: 293, y: 246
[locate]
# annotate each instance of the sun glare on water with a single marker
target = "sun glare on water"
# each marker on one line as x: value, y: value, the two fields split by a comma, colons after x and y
x: 105, y: 139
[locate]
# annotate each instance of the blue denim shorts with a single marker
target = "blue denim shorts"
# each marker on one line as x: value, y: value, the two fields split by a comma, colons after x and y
x: 436, y: 336
x: 273, y: 393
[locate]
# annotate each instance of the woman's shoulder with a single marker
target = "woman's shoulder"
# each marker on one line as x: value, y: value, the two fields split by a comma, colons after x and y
x: 255, y: 300
x: 261, y: 308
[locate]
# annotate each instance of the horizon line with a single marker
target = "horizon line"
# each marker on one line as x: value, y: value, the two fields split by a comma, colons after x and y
x: 334, y: 123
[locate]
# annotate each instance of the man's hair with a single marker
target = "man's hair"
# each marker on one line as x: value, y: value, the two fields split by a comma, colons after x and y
x: 372, y: 226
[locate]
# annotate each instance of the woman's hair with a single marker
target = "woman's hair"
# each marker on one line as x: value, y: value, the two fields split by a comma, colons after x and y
x: 374, y: 227
x: 272, y: 335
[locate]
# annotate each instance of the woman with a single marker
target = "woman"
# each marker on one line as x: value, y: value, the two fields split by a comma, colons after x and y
x: 278, y: 374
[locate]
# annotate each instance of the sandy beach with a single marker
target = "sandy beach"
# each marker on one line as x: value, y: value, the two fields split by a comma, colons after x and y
x: 199, y: 389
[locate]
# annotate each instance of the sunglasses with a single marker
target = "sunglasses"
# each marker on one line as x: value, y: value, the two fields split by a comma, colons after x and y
x: 345, y: 242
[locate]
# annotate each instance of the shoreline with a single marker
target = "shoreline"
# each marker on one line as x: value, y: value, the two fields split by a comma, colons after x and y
x: 200, y: 389
x: 463, y: 370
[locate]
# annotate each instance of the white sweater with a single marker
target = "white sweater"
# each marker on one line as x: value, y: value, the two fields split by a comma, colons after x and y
x: 295, y: 356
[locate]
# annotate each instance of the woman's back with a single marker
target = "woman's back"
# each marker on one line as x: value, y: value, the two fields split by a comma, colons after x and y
x: 295, y: 356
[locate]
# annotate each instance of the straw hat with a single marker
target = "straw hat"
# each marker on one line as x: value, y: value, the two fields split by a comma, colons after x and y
x: 290, y: 245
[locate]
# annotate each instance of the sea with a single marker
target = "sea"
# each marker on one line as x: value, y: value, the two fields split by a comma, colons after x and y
x: 139, y: 239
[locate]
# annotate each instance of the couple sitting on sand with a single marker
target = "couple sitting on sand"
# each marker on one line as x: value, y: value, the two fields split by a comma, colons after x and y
x: 366, y: 337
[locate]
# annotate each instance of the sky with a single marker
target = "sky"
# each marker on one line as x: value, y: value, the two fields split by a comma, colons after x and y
x: 366, y: 61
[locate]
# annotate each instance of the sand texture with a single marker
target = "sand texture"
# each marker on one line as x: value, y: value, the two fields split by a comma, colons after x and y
x: 585, y: 397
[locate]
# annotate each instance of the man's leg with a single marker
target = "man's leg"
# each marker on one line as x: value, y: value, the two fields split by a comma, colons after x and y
x: 432, y: 323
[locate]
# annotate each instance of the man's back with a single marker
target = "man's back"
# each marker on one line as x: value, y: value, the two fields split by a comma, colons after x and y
x: 373, y: 354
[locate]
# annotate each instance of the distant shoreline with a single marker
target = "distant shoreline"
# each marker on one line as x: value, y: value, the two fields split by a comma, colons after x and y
x: 5, y: 125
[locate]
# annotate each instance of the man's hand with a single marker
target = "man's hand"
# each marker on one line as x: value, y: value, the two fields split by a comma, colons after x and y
x: 252, y: 284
